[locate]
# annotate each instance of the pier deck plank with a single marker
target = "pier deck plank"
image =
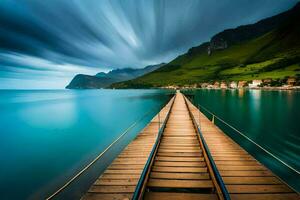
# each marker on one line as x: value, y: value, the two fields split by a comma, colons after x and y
x: 179, y: 169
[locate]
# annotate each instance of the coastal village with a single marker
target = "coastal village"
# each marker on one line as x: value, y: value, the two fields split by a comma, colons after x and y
x: 288, y: 84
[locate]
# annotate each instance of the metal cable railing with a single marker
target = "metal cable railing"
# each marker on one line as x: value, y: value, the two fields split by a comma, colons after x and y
x: 214, y: 116
x: 62, y: 188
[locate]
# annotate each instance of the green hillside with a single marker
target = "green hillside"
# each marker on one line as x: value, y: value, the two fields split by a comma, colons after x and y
x: 274, y: 54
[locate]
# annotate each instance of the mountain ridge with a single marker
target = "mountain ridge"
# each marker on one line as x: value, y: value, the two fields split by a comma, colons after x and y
x: 103, y: 80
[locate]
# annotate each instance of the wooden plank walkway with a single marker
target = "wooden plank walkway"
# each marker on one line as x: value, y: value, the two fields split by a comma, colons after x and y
x: 120, y: 178
x: 245, y: 178
x: 180, y: 169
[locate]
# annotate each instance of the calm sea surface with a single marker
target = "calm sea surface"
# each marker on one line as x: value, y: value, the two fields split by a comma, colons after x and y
x: 47, y: 136
x: 270, y: 118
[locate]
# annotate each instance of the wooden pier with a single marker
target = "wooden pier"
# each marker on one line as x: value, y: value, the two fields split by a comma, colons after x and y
x: 180, y: 167
x: 175, y: 163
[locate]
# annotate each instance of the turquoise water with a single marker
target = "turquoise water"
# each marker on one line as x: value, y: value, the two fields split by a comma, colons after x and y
x: 49, y: 135
x: 270, y: 118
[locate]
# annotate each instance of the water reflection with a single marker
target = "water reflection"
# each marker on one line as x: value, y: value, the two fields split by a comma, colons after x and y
x: 255, y: 96
x: 60, y: 115
x: 241, y: 93
x: 289, y: 98
x: 223, y: 92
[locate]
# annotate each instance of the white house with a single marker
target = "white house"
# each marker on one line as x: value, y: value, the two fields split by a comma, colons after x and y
x: 255, y: 83
x: 233, y: 85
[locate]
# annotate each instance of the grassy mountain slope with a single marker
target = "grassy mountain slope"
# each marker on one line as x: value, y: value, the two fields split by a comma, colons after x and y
x: 270, y: 54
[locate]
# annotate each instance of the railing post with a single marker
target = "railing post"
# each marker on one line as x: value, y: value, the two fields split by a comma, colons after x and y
x: 158, y: 120
x: 199, y: 114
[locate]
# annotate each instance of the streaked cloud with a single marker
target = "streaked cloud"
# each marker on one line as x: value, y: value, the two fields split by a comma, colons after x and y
x: 43, y: 41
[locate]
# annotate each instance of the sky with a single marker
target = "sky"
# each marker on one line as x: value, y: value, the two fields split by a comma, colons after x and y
x: 44, y: 44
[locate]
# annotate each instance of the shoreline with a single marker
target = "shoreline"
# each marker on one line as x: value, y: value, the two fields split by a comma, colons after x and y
x: 295, y: 88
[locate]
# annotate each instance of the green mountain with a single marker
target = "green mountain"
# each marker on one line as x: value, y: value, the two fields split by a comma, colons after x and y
x: 267, y: 49
x: 103, y: 80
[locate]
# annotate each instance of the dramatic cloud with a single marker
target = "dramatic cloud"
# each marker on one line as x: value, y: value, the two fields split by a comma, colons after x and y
x: 43, y: 44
